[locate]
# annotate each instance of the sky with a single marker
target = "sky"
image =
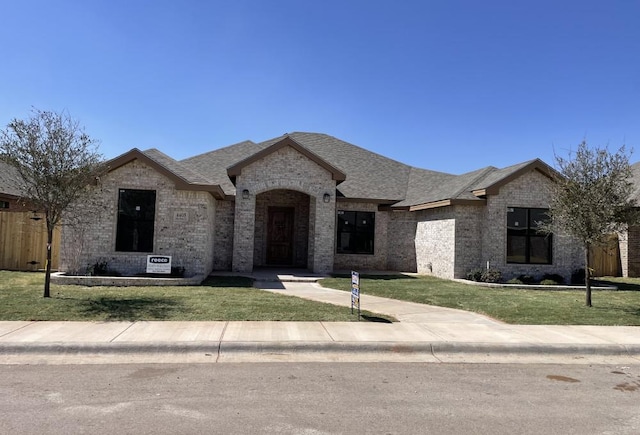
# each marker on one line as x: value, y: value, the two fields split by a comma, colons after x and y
x: 446, y: 85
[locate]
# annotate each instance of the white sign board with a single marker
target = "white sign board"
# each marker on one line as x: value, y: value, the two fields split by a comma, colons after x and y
x: 355, y: 291
x: 159, y: 264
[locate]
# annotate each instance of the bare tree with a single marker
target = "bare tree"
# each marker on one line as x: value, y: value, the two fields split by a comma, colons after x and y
x: 56, y: 162
x: 591, y: 198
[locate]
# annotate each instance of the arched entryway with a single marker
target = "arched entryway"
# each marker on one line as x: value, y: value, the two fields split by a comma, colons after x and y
x: 281, y: 235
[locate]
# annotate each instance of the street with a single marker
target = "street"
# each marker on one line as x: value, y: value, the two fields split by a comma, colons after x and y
x: 320, y: 398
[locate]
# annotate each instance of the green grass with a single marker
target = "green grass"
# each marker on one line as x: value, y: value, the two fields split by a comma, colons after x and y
x: 517, y: 306
x: 217, y: 299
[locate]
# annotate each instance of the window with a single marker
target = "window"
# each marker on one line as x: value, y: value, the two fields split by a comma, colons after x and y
x: 356, y: 230
x: 136, y: 214
x: 526, y: 244
x: 4, y: 204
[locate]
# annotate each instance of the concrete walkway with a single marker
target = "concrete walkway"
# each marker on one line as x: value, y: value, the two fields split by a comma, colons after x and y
x: 423, y: 334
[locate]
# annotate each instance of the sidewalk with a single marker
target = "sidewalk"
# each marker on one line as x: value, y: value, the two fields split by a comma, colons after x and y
x: 423, y: 334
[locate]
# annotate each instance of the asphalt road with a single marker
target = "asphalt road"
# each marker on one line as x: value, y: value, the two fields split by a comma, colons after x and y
x: 320, y: 398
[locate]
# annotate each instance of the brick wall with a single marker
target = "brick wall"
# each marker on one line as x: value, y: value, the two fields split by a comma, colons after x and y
x: 629, y: 243
x: 435, y: 242
x: 183, y: 228
x: 223, y: 235
x: 451, y: 241
x: 401, y: 241
x: 531, y: 191
x: 470, y: 223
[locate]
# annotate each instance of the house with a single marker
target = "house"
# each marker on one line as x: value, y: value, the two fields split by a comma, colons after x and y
x: 629, y: 241
x: 313, y: 201
x: 9, y: 189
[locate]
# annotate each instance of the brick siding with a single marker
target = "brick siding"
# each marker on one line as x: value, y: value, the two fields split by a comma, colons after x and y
x: 188, y: 236
x: 284, y: 169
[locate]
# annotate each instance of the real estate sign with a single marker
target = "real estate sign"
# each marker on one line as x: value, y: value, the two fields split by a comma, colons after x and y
x: 355, y: 292
x: 159, y: 264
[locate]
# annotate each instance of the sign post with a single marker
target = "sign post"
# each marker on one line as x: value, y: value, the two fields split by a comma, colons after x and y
x: 355, y: 292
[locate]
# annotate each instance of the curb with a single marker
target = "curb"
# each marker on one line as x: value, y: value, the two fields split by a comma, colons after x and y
x: 219, y: 348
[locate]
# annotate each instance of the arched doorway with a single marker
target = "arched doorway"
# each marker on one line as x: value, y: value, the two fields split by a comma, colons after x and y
x: 281, y: 235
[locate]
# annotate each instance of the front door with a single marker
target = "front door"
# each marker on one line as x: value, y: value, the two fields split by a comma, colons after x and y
x: 280, y: 236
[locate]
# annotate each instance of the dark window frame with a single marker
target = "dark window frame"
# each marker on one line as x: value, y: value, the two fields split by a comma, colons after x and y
x: 135, y: 228
x: 534, y: 246
x: 355, y: 232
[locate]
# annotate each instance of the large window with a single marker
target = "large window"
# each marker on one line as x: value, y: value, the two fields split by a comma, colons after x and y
x: 526, y: 244
x: 136, y: 214
x: 356, y: 230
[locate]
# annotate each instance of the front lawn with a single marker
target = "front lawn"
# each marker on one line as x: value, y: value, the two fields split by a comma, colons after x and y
x: 517, y: 306
x: 217, y: 299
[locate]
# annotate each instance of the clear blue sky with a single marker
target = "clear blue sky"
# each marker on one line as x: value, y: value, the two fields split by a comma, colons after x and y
x: 447, y: 85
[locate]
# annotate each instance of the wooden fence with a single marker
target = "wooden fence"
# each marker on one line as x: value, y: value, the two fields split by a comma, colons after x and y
x: 23, y: 242
x: 605, y: 260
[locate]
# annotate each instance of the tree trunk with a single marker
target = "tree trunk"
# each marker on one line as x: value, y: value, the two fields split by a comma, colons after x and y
x: 47, y: 276
x: 587, y: 275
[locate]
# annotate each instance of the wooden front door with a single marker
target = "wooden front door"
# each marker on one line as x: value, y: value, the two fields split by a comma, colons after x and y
x: 280, y: 236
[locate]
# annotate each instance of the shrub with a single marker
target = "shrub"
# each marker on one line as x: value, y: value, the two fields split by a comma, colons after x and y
x: 475, y: 275
x: 526, y: 279
x: 101, y: 268
x: 515, y: 281
x: 558, y: 279
x: 577, y: 277
x: 548, y: 282
x: 491, y: 275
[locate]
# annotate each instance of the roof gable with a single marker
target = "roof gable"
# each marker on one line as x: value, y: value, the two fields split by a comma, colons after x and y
x: 183, y: 177
x: 491, y: 184
x: 470, y: 188
x: 287, y: 141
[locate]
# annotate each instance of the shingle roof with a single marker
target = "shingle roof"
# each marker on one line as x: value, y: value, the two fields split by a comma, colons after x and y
x: 369, y: 176
x: 215, y: 163
x: 426, y: 186
x: 496, y: 175
x: 9, y: 184
x: 180, y: 169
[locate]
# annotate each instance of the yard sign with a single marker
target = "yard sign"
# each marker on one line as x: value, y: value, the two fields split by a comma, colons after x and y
x: 355, y: 292
x: 159, y: 264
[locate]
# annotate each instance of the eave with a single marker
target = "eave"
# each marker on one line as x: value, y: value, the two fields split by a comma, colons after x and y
x: 445, y: 203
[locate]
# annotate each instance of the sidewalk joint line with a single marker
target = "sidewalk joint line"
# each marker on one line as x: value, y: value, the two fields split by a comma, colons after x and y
x: 123, y: 331
x: 327, y: 331
x: 22, y: 327
x: 224, y: 329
